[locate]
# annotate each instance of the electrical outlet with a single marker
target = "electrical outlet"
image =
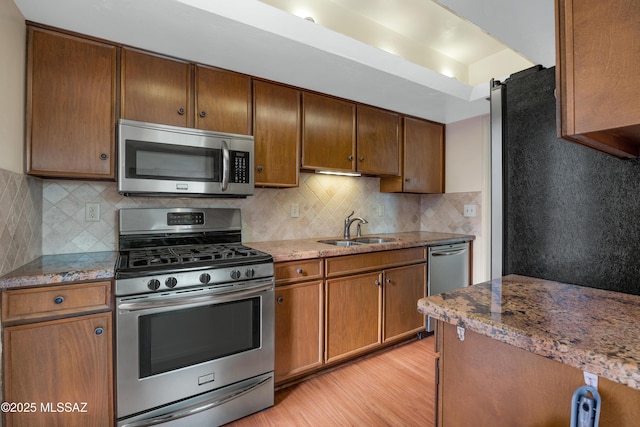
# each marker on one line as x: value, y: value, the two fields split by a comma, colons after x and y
x: 469, y: 210
x: 91, y: 212
x: 295, y: 210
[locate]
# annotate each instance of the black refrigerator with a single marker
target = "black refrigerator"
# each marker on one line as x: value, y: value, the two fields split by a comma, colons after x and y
x: 560, y: 211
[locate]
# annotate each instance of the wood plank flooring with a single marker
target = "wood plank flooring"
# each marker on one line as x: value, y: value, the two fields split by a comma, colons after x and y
x: 394, y: 388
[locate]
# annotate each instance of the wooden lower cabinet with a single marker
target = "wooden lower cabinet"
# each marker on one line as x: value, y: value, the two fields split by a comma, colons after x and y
x: 353, y: 315
x: 403, y: 287
x: 298, y: 329
x: 484, y: 382
x: 61, y: 369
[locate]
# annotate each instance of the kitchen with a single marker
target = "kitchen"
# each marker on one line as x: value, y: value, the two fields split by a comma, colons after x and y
x: 64, y: 231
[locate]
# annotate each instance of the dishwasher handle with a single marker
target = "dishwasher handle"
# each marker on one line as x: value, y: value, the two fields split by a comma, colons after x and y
x: 448, y: 253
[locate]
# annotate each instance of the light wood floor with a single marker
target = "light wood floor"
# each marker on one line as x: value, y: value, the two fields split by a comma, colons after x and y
x: 394, y: 388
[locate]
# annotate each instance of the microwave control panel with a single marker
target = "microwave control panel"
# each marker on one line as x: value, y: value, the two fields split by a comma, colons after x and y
x: 239, y: 167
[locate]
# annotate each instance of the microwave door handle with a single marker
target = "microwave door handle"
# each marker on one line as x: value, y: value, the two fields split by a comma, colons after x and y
x: 225, y: 166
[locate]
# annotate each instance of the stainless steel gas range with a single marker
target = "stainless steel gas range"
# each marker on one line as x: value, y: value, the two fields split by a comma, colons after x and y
x: 194, y: 320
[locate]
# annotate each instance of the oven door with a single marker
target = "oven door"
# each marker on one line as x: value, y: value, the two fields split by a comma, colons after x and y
x: 175, y: 345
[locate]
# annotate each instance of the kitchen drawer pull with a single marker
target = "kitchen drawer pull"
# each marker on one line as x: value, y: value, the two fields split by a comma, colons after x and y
x: 104, y: 156
x: 181, y: 111
x: 377, y: 283
x: 299, y: 271
x: 280, y: 300
x: 362, y: 158
x: 58, y: 300
x: 260, y: 168
x: 350, y: 158
x: 203, y: 113
x: 99, y: 331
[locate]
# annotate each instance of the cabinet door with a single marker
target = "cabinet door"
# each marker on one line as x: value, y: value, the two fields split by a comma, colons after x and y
x: 403, y: 287
x: 353, y: 308
x: 328, y: 133
x: 223, y: 101
x: 71, y: 106
x: 378, y: 147
x: 423, y: 156
x: 277, y: 134
x: 598, y: 56
x: 155, y: 89
x: 66, y: 360
x: 298, y: 327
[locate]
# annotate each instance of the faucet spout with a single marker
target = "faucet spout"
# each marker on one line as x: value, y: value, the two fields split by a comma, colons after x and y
x: 347, y: 225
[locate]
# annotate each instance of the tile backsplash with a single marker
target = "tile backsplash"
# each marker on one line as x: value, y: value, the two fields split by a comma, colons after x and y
x: 323, y: 201
x: 20, y: 220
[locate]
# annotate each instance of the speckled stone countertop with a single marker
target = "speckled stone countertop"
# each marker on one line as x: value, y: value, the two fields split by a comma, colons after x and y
x: 290, y: 250
x: 50, y: 269
x: 590, y: 329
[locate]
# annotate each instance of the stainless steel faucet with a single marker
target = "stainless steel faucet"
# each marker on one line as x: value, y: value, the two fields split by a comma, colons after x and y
x: 347, y: 225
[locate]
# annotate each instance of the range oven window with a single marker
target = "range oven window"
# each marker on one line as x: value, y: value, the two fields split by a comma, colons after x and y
x: 179, y: 338
x: 148, y: 160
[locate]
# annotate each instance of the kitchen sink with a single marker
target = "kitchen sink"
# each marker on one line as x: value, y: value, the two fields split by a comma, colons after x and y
x: 357, y: 241
x: 370, y: 240
x: 339, y: 242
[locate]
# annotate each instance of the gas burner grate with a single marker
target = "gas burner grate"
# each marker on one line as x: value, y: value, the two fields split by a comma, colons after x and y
x: 166, y: 256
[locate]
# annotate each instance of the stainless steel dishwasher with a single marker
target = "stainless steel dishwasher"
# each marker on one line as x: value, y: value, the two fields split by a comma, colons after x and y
x: 448, y: 269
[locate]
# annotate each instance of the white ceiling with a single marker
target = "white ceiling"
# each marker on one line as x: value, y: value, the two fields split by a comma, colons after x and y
x: 254, y: 38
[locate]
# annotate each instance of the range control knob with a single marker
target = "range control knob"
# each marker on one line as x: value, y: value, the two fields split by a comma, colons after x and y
x: 235, y: 274
x: 205, y: 278
x: 171, y: 282
x: 250, y: 273
x: 153, y: 284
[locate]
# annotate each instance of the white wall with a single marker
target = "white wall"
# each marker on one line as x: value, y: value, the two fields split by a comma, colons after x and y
x: 468, y: 160
x: 12, y: 86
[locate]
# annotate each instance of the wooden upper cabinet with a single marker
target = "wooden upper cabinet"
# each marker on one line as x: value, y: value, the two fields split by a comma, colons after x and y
x: 155, y: 89
x: 328, y: 133
x: 378, y: 141
x: 597, y: 61
x: 71, y: 106
x: 223, y: 101
x: 423, y: 159
x: 276, y: 130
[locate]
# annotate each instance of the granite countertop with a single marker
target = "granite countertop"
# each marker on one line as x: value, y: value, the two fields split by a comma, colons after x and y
x: 49, y: 269
x: 290, y: 250
x: 590, y: 329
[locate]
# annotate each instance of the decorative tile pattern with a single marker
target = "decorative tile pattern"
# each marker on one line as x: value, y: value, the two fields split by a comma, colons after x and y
x: 324, y: 201
x: 20, y: 220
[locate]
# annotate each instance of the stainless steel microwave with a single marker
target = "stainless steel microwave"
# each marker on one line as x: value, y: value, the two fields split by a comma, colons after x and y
x: 162, y: 160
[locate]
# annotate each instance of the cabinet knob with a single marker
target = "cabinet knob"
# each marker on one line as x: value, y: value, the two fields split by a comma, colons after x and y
x: 350, y: 158
x: 388, y: 280
x: 58, y: 300
x: 181, y: 111
x: 260, y: 168
x: 377, y: 283
x: 203, y: 113
x: 280, y: 300
x: 407, y: 180
x: 299, y: 271
x: 104, y: 156
x: 99, y: 331
x: 361, y: 158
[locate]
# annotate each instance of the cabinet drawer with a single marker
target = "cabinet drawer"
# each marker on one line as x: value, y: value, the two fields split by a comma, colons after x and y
x: 295, y: 271
x: 373, y: 261
x: 38, y: 303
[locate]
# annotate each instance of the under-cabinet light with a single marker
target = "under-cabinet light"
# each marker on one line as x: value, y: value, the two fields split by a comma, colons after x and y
x: 340, y: 173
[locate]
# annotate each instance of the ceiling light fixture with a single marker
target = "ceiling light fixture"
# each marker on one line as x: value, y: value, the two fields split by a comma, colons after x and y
x: 310, y: 19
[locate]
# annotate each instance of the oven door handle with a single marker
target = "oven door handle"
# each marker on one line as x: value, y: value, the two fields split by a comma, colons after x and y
x: 200, y: 407
x: 186, y: 300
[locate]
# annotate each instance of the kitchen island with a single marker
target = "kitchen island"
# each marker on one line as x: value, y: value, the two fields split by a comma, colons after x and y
x: 512, y: 352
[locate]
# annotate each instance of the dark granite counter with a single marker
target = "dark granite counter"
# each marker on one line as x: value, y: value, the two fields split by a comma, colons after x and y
x: 590, y: 329
x: 289, y: 250
x: 50, y: 269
